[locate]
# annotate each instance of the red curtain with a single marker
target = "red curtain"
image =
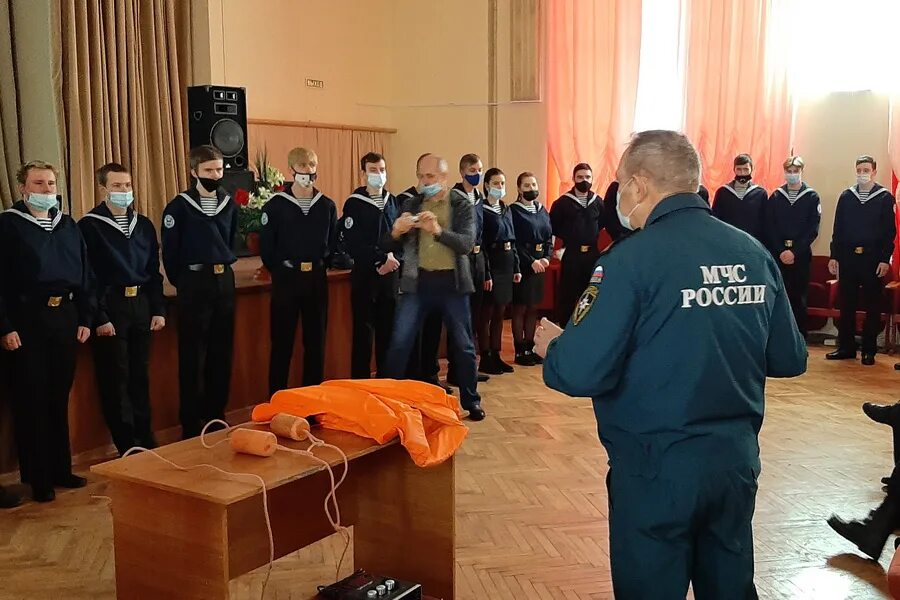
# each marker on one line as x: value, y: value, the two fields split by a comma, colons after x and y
x: 593, y: 56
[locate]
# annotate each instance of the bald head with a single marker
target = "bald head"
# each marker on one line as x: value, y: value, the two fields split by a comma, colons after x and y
x: 656, y: 164
x: 432, y: 169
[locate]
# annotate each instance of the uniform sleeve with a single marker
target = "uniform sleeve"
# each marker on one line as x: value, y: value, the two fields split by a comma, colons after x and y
x: 613, y: 227
x: 785, y: 349
x: 268, y: 237
x: 155, y: 286
x: 588, y: 359
x: 101, y: 316
x: 525, y: 257
x: 6, y: 324
x: 557, y: 219
x: 235, y: 220
x: 770, y: 227
x: 334, y: 257
x: 837, y: 233
x: 85, y: 298
x: 889, y: 229
x: 171, y: 244
x: 718, y: 206
x: 813, y: 220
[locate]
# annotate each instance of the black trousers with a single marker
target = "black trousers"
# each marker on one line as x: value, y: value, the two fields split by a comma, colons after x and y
x: 121, y: 363
x: 574, y: 277
x: 44, y: 372
x: 373, y: 299
x: 796, y: 284
x: 205, y: 343
x: 858, y: 271
x: 298, y: 295
x: 431, y: 328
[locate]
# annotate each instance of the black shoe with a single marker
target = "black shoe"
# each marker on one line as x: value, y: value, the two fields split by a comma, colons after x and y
x: 865, y: 535
x: 43, y: 494
x: 884, y: 414
x: 841, y: 355
x: 481, y: 377
x: 476, y: 413
x: 537, y: 359
x: 488, y: 363
x: 868, y: 358
x: 897, y: 366
x: 525, y: 359
x: 70, y: 481
x: 8, y: 499
x: 505, y: 368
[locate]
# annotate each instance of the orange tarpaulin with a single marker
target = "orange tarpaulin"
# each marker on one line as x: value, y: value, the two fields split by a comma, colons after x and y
x: 425, y: 417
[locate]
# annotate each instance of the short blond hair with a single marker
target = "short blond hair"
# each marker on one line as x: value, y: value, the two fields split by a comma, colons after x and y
x: 34, y: 165
x: 302, y: 156
x: 794, y: 161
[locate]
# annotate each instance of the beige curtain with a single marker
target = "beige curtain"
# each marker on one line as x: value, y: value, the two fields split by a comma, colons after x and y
x: 125, y: 67
x: 10, y: 149
x: 339, y: 151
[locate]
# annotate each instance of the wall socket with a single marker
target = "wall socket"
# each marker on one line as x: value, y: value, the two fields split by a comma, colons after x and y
x: 315, y: 83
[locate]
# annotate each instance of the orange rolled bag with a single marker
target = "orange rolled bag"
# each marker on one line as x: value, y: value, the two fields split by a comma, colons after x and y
x: 426, y: 418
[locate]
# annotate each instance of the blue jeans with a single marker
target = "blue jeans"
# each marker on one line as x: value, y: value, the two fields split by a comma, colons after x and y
x: 436, y: 292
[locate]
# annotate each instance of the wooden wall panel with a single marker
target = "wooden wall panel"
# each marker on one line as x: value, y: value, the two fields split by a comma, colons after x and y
x: 524, y: 50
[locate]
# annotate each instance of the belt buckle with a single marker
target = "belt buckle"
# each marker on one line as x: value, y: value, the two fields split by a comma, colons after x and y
x: 507, y: 245
x: 476, y: 249
x: 131, y: 291
x: 306, y: 267
x: 218, y: 269
x: 859, y: 250
x: 585, y: 249
x: 788, y: 243
x: 538, y: 247
x: 54, y: 301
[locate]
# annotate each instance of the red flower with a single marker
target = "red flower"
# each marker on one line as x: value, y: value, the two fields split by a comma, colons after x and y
x: 242, y: 197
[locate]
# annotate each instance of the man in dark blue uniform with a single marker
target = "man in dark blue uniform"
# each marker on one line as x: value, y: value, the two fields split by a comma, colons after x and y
x: 861, y: 248
x: 673, y: 340
x: 198, y: 232
x: 124, y: 256
x: 741, y: 202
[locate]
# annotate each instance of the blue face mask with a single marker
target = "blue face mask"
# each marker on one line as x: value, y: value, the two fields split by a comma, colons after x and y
x: 474, y: 180
x: 121, y: 199
x: 792, y: 178
x: 41, y: 202
x: 496, y: 193
x: 432, y: 190
x: 376, y: 180
x: 625, y: 220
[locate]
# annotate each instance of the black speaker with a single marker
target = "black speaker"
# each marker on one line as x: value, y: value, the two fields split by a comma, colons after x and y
x: 217, y: 115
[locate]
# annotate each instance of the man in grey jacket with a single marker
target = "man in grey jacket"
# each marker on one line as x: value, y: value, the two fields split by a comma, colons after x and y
x: 436, y: 232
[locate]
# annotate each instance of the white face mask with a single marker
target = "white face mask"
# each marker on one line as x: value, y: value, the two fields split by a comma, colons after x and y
x: 863, y: 178
x: 376, y: 180
x: 304, y: 179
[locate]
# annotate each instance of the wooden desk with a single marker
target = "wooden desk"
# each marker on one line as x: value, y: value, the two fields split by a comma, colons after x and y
x: 185, y: 534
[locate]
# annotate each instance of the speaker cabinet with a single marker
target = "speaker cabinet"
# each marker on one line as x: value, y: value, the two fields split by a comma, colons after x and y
x: 217, y: 115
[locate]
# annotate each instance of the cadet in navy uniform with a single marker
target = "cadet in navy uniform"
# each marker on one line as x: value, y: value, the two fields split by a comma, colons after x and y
x: 470, y: 169
x: 534, y: 242
x: 369, y: 213
x: 673, y: 340
x: 793, y: 213
x: 861, y: 248
x: 297, y: 244
x: 198, y: 232
x: 502, y: 271
x: 46, y: 309
x: 741, y: 202
x: 577, y: 218
x: 124, y: 257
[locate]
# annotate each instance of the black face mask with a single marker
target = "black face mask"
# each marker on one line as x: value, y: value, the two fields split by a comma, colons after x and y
x: 210, y: 185
x: 583, y: 186
x: 742, y: 179
x: 530, y: 195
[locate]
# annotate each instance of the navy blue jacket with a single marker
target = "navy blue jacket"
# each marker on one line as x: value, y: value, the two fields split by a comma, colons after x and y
x: 747, y: 213
x: 794, y: 226
x: 869, y: 224
x: 479, y: 216
x: 673, y: 340
x: 38, y: 263
x: 363, y: 225
x: 289, y: 235
x: 498, y: 229
x: 532, y: 230
x: 613, y: 227
x: 190, y: 237
x: 121, y: 261
x: 574, y: 224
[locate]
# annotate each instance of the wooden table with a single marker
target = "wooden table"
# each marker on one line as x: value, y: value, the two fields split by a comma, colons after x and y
x: 184, y: 535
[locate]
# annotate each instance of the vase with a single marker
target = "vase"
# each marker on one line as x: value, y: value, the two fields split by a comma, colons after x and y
x: 252, y: 241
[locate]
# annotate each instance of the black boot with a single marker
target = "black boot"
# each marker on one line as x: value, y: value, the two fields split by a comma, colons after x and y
x: 888, y: 414
x: 476, y: 413
x: 488, y: 363
x: 498, y: 360
x: 9, y: 499
x: 868, y: 358
x: 523, y: 358
x: 71, y: 481
x: 870, y: 534
x: 841, y: 354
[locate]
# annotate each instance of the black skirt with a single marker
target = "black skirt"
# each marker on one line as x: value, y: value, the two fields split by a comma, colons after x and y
x: 530, y: 291
x: 502, y: 265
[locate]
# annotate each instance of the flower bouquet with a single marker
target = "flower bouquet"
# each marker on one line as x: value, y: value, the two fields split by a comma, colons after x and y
x: 269, y: 181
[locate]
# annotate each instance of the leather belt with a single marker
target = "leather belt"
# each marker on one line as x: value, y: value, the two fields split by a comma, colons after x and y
x: 217, y: 269
x: 305, y: 267
x: 51, y: 301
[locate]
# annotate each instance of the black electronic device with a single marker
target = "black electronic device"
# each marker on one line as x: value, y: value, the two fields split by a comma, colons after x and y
x: 363, y: 586
x: 217, y: 115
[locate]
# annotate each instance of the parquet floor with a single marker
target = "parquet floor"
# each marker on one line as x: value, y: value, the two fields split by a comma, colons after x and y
x: 532, y: 503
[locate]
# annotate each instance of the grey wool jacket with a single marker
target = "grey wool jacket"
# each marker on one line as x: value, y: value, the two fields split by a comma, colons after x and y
x: 458, y: 235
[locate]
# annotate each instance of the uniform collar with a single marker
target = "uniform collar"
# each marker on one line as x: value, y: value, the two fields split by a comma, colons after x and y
x: 478, y: 196
x: 361, y: 193
x: 192, y: 197
x: 573, y: 194
x: 102, y: 213
x: 20, y: 209
x: 675, y: 203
